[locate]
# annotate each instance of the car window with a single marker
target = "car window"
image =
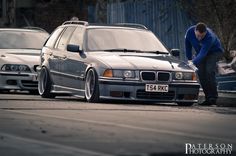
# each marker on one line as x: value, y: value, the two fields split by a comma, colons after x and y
x: 53, y: 37
x: 10, y: 39
x: 62, y: 43
x: 117, y: 38
x: 77, y: 37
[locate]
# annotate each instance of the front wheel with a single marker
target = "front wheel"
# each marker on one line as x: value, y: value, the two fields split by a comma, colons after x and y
x: 34, y: 92
x: 91, y: 86
x: 44, y: 84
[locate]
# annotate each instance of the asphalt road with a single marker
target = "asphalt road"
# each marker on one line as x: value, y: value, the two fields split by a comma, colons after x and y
x: 67, y: 126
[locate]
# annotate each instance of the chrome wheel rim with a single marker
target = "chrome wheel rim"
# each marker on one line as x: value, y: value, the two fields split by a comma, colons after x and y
x: 42, y: 81
x: 89, y: 84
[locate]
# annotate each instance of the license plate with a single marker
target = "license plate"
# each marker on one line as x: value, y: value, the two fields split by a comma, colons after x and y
x: 156, y: 88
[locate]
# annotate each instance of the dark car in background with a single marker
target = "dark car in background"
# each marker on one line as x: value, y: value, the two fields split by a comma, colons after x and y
x: 117, y: 62
x: 19, y: 56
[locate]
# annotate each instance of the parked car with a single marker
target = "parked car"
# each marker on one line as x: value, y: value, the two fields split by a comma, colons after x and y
x: 19, y: 56
x: 120, y: 62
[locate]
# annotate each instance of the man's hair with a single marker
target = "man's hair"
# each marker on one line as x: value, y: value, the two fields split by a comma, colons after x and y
x: 201, y: 27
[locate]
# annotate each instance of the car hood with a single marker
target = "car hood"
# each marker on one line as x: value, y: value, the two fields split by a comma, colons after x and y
x: 142, y: 61
x: 20, y: 56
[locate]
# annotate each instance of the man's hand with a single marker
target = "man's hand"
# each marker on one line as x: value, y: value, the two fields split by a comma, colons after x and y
x: 191, y: 64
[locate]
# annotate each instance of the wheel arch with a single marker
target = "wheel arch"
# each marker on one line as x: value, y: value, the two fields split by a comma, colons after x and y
x: 49, y: 73
x: 92, y: 66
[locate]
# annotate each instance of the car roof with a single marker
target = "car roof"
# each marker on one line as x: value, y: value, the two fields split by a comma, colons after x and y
x: 30, y: 29
x: 112, y: 27
x: 98, y: 25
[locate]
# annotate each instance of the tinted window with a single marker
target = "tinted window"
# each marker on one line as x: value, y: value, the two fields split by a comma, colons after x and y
x: 116, y: 38
x: 22, y: 39
x: 65, y: 37
x: 77, y: 37
x: 53, y: 37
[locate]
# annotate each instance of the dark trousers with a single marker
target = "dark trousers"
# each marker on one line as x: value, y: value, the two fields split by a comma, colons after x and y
x: 207, y: 75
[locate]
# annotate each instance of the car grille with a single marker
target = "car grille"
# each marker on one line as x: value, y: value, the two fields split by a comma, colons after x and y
x: 161, y: 76
x: 148, y: 76
x: 142, y: 94
x: 27, y: 83
x: 153, y: 76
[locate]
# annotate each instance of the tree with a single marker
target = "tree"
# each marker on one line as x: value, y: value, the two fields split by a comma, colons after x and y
x: 218, y: 15
x: 101, y: 11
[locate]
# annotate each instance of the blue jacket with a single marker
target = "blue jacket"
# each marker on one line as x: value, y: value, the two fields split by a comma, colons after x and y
x: 208, y: 45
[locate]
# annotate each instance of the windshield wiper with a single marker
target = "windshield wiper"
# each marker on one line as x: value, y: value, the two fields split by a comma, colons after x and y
x: 156, y: 52
x: 122, y: 50
x: 134, y: 50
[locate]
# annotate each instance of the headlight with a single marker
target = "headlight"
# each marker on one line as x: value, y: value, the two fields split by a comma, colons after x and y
x: 15, y: 68
x: 119, y: 73
x: 179, y: 75
x: 128, y: 74
x: 185, y: 76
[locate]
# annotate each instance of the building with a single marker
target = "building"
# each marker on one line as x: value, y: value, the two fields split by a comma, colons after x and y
x: 47, y: 14
x: 7, y: 13
x: 165, y: 18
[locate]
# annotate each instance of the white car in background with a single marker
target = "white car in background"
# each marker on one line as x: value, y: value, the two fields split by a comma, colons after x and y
x: 19, y: 57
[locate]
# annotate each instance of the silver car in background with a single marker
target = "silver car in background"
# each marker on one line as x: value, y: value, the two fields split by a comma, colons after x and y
x: 19, y: 57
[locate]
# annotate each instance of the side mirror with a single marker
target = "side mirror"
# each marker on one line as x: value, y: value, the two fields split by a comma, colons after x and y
x: 73, y: 48
x: 175, y: 52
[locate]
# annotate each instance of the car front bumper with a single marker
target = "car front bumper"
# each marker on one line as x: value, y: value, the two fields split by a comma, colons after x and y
x: 122, y: 90
x: 18, y: 81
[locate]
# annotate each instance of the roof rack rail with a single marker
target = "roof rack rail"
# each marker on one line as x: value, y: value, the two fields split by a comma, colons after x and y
x: 75, y: 22
x: 134, y: 25
x: 34, y: 28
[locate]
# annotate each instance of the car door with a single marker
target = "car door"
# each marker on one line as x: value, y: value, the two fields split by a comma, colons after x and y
x: 75, y: 63
x: 60, y: 54
x: 48, y: 59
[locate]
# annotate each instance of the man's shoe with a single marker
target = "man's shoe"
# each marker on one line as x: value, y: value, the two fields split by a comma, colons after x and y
x: 212, y: 101
x: 205, y: 103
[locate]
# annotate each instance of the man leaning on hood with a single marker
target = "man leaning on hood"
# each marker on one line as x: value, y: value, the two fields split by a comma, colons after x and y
x: 208, y: 51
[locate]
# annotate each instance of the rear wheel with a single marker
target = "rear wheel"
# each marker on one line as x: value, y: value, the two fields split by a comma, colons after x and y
x: 185, y: 103
x: 44, y: 84
x: 91, y: 86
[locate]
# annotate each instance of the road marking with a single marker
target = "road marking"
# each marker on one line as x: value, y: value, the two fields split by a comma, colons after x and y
x: 65, y: 148
x: 198, y: 136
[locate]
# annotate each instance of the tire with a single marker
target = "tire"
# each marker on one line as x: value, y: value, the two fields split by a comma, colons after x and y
x: 44, y: 84
x: 4, y: 91
x: 91, y: 86
x: 34, y: 92
x: 185, y: 103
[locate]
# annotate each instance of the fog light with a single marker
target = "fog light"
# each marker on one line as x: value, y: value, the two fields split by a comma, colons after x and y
x: 116, y: 94
x: 12, y: 82
x: 190, y: 97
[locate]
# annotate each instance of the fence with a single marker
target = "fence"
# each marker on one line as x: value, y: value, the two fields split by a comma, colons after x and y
x: 165, y: 18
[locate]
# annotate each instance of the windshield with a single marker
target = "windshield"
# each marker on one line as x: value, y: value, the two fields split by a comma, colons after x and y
x: 117, y: 38
x: 22, y: 39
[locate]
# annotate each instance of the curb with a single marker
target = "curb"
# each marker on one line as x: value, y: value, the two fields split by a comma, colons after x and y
x: 225, y: 98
